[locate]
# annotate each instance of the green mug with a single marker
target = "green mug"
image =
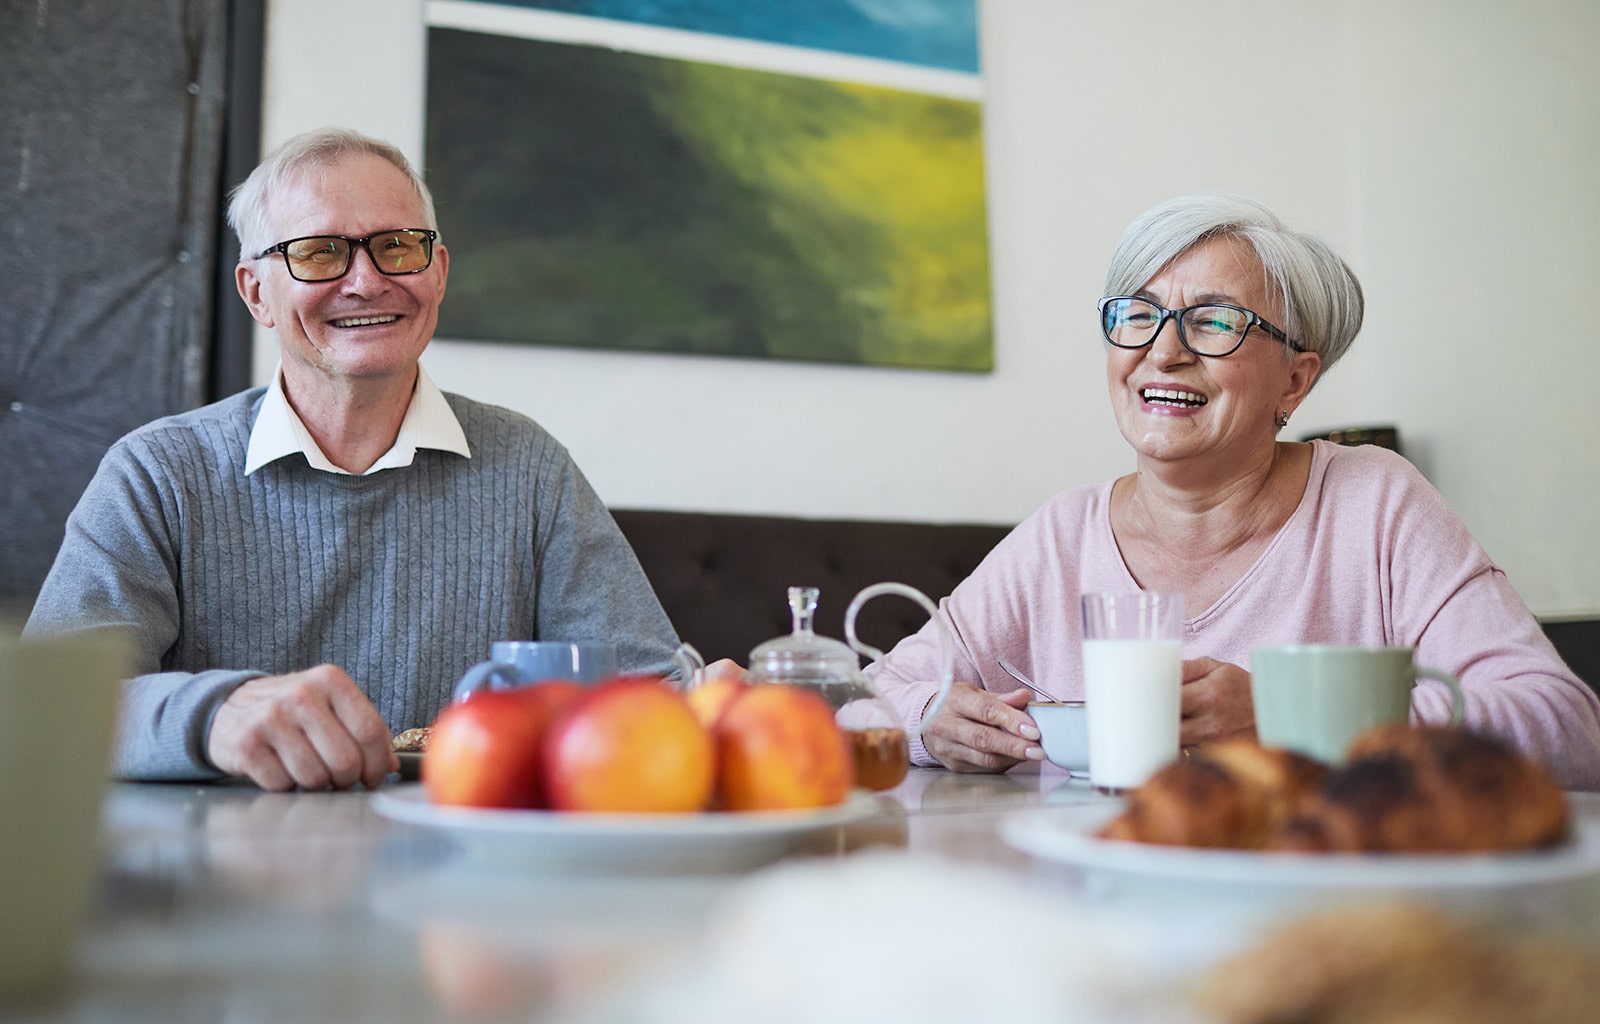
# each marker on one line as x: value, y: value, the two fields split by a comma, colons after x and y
x: 1316, y: 699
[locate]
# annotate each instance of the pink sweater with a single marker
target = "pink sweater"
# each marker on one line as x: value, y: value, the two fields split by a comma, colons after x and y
x: 1372, y: 556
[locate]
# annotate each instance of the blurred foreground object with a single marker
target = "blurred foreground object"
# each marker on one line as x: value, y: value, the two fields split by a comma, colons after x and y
x: 1386, y: 963
x: 867, y: 938
x: 58, y: 701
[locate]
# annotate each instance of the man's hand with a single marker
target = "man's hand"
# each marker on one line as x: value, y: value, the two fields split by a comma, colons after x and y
x: 979, y: 731
x: 1216, y: 702
x: 311, y: 729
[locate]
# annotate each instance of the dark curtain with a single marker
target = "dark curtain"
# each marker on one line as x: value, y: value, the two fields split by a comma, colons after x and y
x: 114, y: 150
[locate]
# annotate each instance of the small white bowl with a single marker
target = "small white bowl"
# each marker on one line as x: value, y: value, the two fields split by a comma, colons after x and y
x: 1064, y: 733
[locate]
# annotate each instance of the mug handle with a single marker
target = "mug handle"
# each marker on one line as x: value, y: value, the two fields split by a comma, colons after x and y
x: 947, y: 670
x: 1458, y: 700
x: 483, y: 676
x: 691, y: 667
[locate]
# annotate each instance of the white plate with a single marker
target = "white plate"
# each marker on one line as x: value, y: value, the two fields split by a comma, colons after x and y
x: 613, y: 840
x: 1067, y: 835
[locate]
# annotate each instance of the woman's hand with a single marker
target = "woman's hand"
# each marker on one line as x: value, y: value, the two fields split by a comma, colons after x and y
x: 979, y: 731
x: 1216, y: 702
x: 725, y: 668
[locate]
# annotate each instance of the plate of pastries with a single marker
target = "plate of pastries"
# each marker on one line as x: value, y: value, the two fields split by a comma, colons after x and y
x: 1410, y: 806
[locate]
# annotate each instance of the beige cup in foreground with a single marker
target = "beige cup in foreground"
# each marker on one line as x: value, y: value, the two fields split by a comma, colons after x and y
x: 1316, y: 699
x: 58, y: 700
x: 1132, y: 676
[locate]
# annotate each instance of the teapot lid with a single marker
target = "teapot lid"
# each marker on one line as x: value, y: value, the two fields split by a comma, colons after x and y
x: 803, y: 655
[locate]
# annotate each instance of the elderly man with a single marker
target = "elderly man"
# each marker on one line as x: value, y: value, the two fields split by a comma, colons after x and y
x: 307, y: 566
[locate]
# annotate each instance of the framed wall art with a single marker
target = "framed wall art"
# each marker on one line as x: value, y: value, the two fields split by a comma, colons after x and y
x: 771, y: 181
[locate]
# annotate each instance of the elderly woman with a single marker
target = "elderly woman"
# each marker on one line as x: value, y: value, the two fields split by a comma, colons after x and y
x: 1218, y: 322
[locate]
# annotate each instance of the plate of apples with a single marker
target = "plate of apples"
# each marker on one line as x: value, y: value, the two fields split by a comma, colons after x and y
x: 632, y: 772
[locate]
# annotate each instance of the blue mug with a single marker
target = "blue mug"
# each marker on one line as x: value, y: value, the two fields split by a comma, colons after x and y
x: 514, y: 663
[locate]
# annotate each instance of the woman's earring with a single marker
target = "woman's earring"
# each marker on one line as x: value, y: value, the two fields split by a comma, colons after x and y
x: 1283, y: 419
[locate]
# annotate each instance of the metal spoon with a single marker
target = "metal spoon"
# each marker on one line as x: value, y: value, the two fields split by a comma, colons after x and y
x: 1015, y: 673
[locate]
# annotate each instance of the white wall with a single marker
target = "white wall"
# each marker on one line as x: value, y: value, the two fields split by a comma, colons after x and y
x: 1447, y: 147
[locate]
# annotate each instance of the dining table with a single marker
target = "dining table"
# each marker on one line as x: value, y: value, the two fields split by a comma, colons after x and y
x: 219, y: 902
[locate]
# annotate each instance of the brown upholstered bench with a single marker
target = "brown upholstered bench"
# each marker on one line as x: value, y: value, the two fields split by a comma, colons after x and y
x: 724, y: 579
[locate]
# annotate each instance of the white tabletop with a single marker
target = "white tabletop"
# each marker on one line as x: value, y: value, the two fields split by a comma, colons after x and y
x: 223, y: 903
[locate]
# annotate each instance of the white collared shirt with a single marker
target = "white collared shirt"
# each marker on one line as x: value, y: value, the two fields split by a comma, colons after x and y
x: 429, y: 423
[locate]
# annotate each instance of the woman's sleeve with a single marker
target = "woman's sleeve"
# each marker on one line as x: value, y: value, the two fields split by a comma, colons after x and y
x: 1456, y: 607
x: 1013, y: 605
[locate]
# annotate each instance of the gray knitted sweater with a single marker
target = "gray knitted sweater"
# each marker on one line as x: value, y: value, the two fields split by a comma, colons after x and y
x: 403, y: 578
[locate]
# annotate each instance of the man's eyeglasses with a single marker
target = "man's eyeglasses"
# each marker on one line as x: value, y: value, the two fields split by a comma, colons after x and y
x: 1211, y: 329
x: 327, y: 257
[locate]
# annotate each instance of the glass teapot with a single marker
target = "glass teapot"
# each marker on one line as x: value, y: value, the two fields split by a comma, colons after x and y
x: 877, y: 736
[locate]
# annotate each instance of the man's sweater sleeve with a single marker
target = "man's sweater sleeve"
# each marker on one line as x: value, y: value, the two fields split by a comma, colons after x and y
x: 117, y: 568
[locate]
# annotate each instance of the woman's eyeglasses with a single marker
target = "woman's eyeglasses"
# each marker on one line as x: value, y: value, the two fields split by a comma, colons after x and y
x: 1210, y: 329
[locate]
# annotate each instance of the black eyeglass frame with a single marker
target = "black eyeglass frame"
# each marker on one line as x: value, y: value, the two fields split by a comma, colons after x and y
x: 1252, y: 319
x: 282, y: 248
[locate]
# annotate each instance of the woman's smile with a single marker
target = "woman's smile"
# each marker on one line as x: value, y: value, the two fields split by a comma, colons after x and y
x: 1171, y: 399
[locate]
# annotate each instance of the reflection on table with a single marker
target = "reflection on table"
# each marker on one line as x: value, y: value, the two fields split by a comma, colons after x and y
x: 222, y: 903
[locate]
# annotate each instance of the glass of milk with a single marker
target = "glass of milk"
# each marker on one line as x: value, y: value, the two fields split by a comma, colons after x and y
x: 1132, y: 672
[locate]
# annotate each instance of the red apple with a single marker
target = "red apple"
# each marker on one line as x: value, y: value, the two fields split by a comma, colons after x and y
x: 485, y: 751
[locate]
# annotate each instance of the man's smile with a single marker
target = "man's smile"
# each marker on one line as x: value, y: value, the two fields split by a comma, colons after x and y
x: 364, y: 321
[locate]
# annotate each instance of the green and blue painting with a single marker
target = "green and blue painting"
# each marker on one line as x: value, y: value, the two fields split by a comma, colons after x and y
x: 602, y: 198
x: 934, y: 33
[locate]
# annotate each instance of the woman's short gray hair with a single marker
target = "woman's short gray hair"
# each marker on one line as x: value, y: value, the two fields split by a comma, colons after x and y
x: 1321, y: 297
x: 248, y: 212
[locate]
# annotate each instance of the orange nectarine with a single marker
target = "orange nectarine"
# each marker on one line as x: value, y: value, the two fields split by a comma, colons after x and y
x: 630, y: 744
x: 711, y: 698
x: 778, y: 747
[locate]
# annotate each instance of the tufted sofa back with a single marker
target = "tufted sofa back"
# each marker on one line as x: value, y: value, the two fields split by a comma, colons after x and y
x: 724, y: 579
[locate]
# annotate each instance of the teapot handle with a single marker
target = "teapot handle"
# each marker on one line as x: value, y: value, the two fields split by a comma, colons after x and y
x: 691, y: 667
x: 947, y: 672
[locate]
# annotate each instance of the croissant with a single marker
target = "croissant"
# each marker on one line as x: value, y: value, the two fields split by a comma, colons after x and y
x: 1430, y: 789
x: 1233, y: 794
x: 1402, y: 789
